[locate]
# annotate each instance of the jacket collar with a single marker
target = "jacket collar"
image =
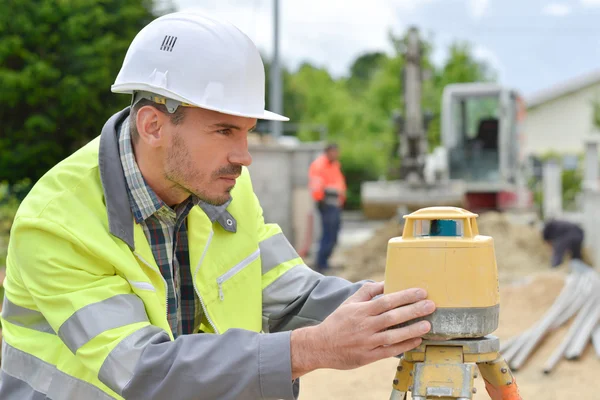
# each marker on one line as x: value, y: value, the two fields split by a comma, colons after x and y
x: 118, y: 209
x: 120, y: 217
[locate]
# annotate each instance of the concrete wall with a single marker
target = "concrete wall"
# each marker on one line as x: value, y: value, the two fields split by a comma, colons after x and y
x: 561, y: 124
x: 280, y: 178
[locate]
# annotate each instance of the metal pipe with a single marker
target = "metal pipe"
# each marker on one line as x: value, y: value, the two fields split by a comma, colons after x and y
x: 582, y: 337
x: 571, y: 334
x: 510, y: 353
x: 583, y: 291
x: 562, y: 302
x: 596, y: 340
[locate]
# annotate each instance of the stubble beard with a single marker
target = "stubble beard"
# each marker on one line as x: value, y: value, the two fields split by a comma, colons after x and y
x: 181, y: 173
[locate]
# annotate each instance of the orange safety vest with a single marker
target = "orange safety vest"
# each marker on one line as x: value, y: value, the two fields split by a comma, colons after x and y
x: 326, y: 176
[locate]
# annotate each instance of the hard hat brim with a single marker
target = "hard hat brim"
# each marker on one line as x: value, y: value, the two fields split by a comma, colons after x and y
x: 269, y: 115
x: 130, y: 88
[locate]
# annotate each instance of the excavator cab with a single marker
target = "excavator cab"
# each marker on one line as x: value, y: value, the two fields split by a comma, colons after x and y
x: 482, y: 138
x: 479, y: 166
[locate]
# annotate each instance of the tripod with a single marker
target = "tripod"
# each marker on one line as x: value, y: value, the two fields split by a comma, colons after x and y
x: 446, y: 370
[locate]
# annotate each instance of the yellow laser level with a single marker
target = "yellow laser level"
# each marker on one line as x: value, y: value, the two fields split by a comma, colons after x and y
x: 442, y: 251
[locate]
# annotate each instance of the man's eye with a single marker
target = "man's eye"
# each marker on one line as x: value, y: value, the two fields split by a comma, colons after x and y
x: 225, y: 132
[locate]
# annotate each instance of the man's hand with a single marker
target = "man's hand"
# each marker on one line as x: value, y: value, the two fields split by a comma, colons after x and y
x: 356, y: 333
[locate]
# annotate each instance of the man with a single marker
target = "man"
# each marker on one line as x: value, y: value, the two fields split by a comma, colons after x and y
x: 563, y: 236
x: 328, y: 188
x: 141, y: 267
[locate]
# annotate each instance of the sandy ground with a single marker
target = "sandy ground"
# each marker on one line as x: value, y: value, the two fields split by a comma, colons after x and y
x: 527, y: 289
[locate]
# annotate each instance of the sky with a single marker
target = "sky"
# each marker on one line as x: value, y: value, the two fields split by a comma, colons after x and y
x: 530, y: 44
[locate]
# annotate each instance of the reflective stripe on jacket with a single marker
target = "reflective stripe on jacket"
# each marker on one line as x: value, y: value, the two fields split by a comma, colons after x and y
x: 84, y: 314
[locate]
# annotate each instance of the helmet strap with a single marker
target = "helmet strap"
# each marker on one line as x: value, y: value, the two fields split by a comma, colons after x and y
x: 170, y: 104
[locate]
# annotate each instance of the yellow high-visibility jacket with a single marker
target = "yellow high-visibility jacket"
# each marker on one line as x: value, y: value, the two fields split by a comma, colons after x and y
x: 85, y: 313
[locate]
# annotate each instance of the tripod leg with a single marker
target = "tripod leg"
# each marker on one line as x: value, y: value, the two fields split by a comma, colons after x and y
x: 499, y: 380
x: 402, y: 380
x: 397, y: 395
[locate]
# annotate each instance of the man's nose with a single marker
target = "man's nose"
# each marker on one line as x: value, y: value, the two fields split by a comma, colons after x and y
x: 240, y: 155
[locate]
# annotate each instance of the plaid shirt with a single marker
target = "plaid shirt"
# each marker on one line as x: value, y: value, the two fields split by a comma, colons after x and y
x: 166, y: 232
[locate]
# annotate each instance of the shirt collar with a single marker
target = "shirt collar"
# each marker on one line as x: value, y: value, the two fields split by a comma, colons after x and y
x: 144, y: 201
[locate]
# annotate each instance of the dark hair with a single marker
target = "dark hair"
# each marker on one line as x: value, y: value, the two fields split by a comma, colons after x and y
x: 331, y: 146
x: 176, y: 117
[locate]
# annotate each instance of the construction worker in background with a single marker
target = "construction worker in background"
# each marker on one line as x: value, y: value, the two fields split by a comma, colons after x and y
x: 328, y: 189
x: 563, y: 236
x: 141, y: 267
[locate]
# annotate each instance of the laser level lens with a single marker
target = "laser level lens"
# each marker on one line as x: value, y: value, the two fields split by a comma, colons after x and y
x: 439, y: 227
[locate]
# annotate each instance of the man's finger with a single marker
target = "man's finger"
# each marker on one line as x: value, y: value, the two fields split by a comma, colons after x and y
x: 392, y: 351
x: 366, y: 293
x: 403, y: 314
x: 394, y: 300
x: 394, y: 336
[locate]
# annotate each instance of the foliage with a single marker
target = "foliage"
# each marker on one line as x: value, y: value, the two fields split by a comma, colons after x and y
x: 596, y: 112
x: 460, y: 67
x: 10, y: 197
x: 9, y: 203
x: 363, y: 69
x: 58, y: 60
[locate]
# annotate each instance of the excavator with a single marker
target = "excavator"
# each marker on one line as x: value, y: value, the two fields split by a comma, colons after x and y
x: 480, y: 164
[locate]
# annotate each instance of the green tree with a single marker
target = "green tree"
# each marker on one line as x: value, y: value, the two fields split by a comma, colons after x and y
x: 291, y: 97
x: 58, y: 60
x: 362, y: 70
x: 318, y: 99
x: 461, y: 66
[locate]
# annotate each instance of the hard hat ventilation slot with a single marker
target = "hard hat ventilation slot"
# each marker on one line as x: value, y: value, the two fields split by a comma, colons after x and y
x: 168, y: 43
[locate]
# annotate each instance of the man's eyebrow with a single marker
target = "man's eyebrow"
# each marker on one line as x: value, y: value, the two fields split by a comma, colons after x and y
x: 231, y: 126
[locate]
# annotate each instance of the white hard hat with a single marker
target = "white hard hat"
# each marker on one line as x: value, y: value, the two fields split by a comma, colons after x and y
x: 195, y: 60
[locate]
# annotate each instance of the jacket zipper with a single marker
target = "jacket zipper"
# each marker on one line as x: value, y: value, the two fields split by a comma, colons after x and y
x: 162, y: 277
x: 229, y: 274
x: 196, y: 287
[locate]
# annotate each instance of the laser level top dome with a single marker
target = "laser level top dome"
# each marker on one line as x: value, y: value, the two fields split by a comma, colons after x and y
x: 441, y: 250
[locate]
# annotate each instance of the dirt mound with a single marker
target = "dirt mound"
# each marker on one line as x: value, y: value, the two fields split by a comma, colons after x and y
x: 367, y: 261
x: 519, y: 249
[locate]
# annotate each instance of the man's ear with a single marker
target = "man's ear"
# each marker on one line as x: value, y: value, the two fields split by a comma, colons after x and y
x: 149, y: 122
